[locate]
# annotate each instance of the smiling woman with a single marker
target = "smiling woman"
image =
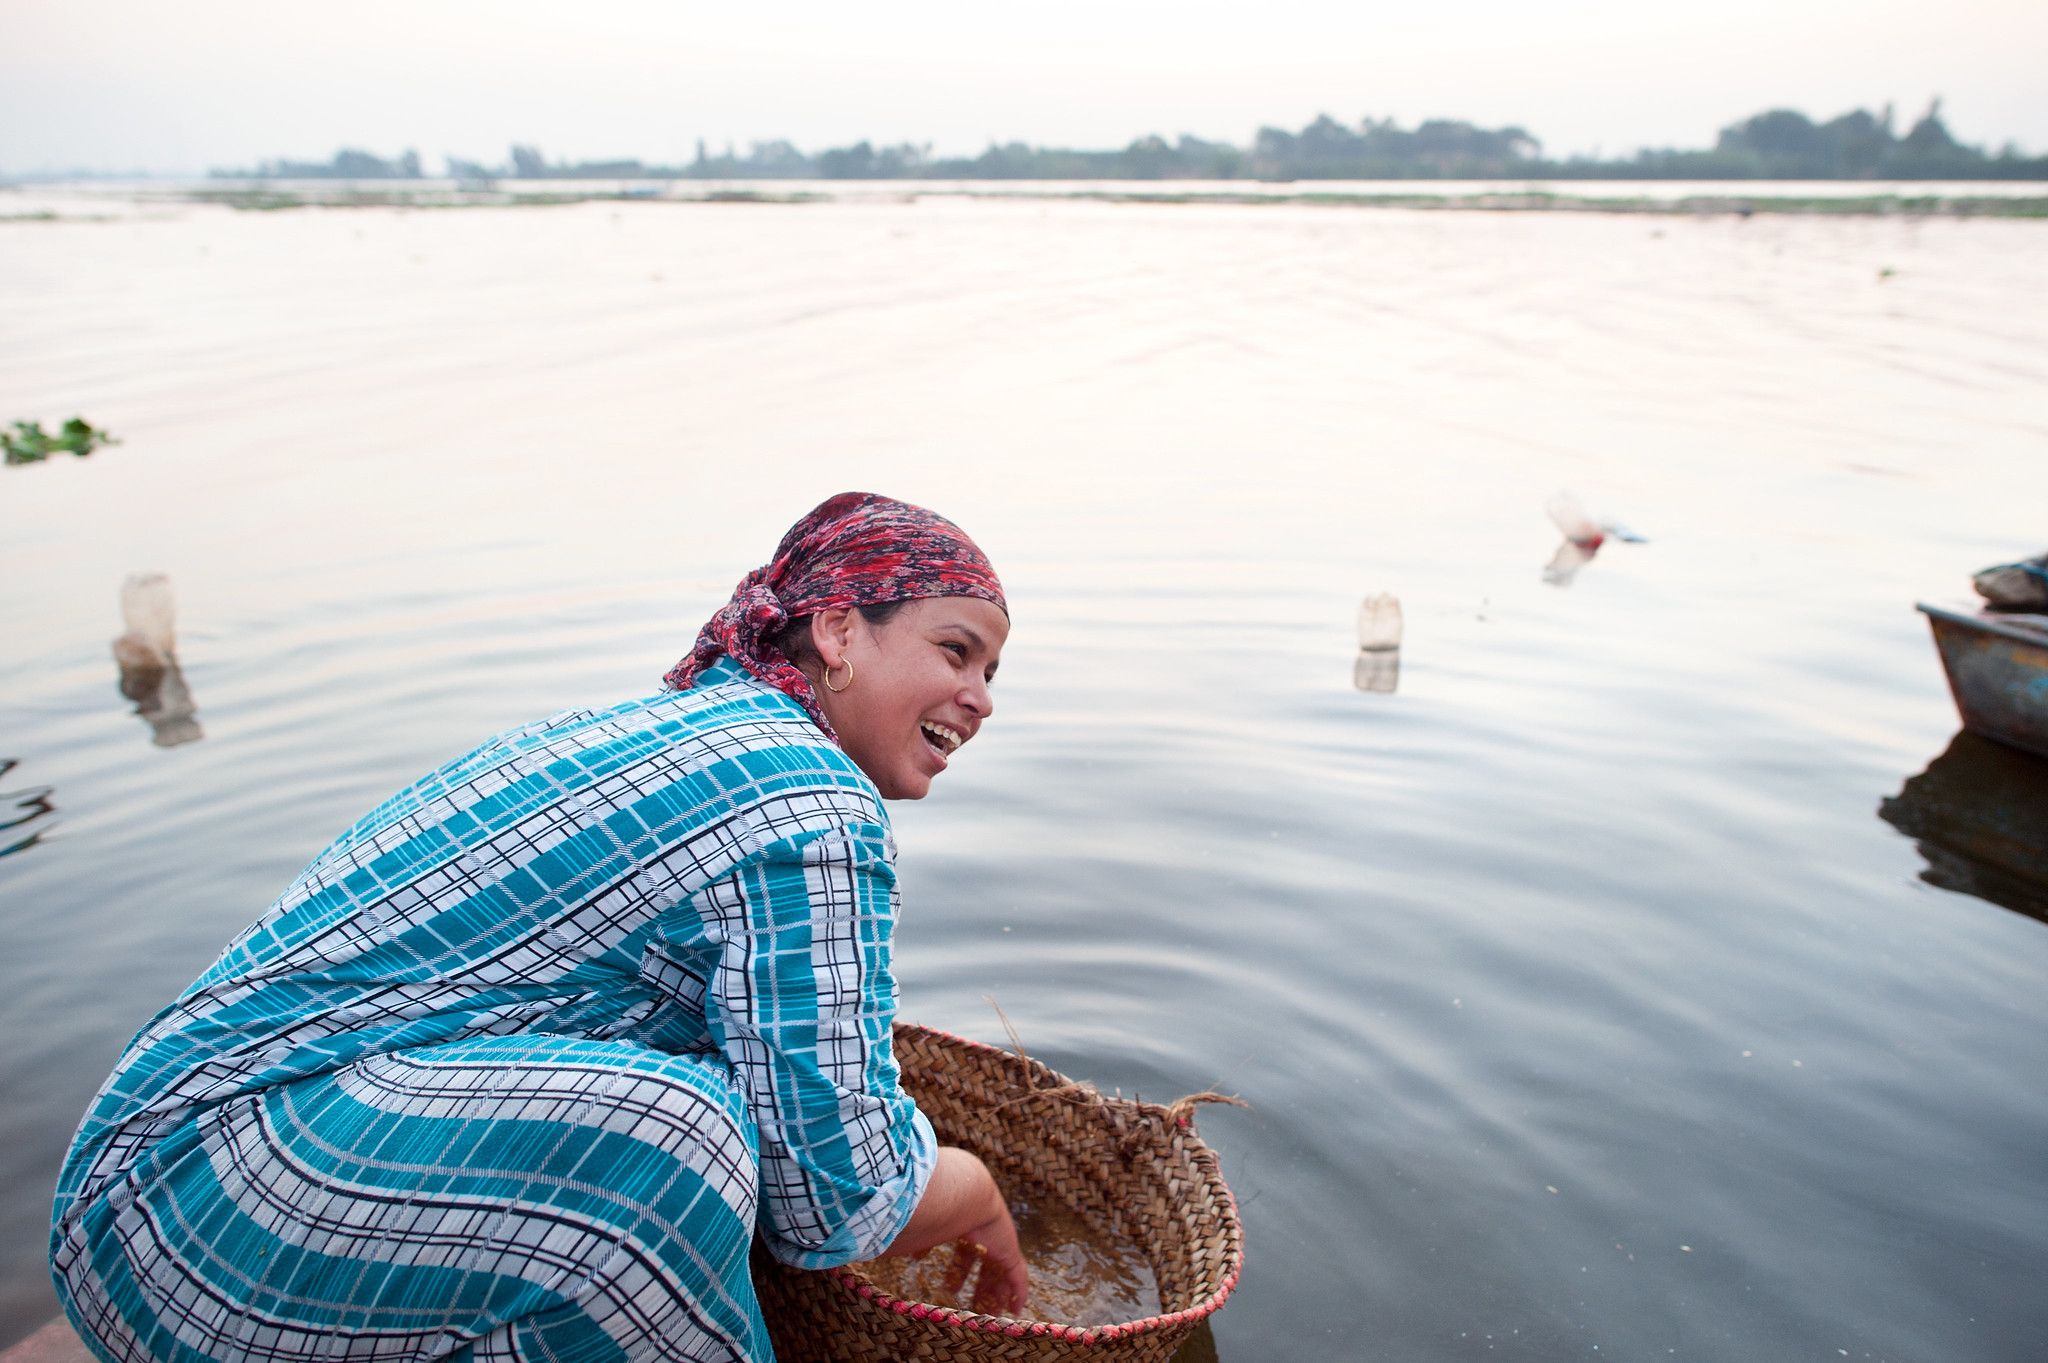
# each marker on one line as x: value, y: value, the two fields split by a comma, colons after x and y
x: 924, y: 685
x: 525, y: 1060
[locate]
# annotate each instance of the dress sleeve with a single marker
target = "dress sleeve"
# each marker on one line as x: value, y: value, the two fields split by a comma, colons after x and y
x: 801, y: 1002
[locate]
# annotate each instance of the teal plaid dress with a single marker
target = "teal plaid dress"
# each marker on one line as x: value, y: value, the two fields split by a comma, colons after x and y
x: 521, y: 1065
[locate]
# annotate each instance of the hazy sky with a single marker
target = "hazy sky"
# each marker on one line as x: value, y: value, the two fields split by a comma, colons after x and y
x: 182, y: 86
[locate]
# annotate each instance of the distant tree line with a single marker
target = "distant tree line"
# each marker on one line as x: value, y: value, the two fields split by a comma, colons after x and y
x: 1780, y: 144
x: 1784, y: 144
x: 348, y: 164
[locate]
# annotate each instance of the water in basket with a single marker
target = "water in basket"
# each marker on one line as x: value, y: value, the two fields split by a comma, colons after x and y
x: 1080, y: 1274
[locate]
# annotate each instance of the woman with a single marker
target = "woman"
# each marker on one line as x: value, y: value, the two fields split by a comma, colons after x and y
x: 521, y: 1065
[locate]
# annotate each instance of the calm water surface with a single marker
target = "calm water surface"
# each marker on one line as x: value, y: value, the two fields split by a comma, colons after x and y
x: 1586, y: 1006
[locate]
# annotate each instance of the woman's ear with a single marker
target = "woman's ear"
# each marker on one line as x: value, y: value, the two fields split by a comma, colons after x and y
x: 832, y: 634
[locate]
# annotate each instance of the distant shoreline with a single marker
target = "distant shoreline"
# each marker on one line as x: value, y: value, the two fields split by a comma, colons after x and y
x: 88, y: 201
x: 1542, y: 201
x: 270, y: 197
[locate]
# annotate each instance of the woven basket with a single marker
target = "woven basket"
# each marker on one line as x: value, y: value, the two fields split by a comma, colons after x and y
x: 1136, y: 1170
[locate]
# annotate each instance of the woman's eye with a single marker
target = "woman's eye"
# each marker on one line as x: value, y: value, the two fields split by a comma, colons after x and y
x: 957, y: 650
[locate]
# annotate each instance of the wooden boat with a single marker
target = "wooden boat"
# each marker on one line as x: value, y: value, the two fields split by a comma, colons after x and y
x: 1997, y: 665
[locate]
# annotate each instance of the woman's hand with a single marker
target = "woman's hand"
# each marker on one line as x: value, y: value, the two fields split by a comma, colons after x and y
x: 963, y: 1204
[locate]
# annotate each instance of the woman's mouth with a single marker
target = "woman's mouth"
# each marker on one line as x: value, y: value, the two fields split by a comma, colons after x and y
x: 940, y: 739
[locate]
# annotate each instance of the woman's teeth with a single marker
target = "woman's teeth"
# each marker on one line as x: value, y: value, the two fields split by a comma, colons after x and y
x: 940, y: 737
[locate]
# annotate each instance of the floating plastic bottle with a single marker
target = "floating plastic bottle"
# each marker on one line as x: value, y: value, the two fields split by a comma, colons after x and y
x: 147, y: 609
x: 1583, y: 537
x: 1569, y: 515
x: 1379, y: 621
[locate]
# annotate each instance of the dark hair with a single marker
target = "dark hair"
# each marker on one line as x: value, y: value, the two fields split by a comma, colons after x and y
x: 793, y: 640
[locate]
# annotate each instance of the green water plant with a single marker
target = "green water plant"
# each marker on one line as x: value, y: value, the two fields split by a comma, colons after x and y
x: 29, y: 443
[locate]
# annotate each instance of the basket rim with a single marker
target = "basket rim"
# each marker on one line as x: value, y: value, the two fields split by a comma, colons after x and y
x: 851, y: 1280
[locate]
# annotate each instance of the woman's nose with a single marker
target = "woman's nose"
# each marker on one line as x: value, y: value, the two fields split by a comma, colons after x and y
x: 977, y: 700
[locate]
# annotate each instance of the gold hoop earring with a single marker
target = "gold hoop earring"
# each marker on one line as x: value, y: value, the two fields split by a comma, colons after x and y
x: 835, y: 690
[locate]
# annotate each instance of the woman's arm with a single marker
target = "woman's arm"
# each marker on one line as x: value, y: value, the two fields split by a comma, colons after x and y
x: 963, y: 1203
x: 800, y: 999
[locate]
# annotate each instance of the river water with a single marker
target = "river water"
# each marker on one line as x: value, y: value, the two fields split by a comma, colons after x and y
x: 1585, y: 1005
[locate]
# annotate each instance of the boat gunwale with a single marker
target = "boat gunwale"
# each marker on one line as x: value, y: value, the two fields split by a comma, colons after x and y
x: 1989, y: 624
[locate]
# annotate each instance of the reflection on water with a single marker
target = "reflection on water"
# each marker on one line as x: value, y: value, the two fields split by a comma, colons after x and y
x: 1979, y: 815
x: 1199, y: 1346
x: 157, y: 686
x: 26, y: 814
x: 1377, y: 670
x: 147, y: 655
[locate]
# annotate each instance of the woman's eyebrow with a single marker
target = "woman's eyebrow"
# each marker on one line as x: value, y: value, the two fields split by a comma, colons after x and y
x: 974, y: 637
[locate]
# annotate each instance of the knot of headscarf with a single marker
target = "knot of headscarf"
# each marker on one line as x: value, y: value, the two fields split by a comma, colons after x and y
x: 855, y: 549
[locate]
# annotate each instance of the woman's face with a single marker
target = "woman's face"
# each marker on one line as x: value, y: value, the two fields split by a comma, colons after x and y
x: 919, y: 689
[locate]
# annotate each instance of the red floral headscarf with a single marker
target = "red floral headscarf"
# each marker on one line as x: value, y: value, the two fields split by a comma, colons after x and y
x: 855, y: 549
